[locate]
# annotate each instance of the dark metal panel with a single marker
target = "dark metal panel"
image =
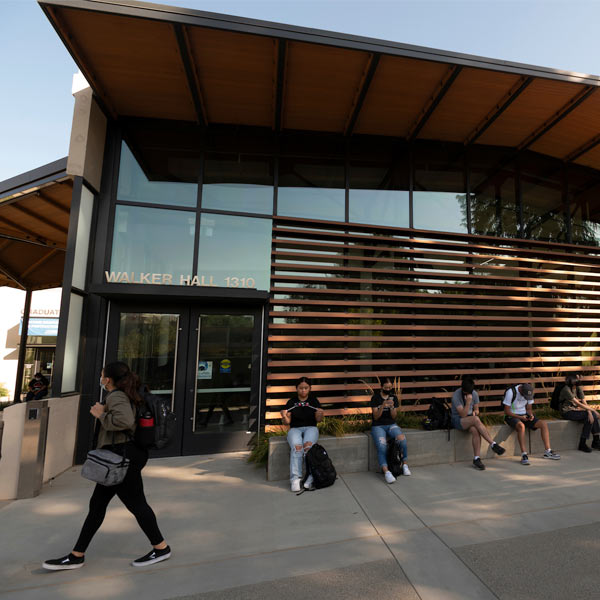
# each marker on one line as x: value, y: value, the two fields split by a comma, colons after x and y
x: 45, y: 174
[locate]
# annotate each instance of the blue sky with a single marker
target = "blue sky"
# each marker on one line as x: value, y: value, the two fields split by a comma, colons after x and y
x: 36, y: 71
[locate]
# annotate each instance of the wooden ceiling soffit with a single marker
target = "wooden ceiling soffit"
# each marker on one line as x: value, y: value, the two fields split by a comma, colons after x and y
x: 442, y: 88
x: 18, y: 227
x: 47, y: 222
x: 545, y: 127
x: 500, y: 107
x: 235, y: 75
x: 193, y: 82
x: 54, y: 203
x: 8, y: 273
x: 39, y: 263
x: 583, y: 149
x: 320, y: 85
x: 68, y: 39
x: 361, y: 92
x: 279, y: 84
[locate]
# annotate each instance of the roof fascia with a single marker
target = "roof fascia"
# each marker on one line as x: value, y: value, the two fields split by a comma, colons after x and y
x: 36, y: 177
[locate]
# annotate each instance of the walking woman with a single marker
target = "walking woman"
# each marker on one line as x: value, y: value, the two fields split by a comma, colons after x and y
x: 302, y: 413
x: 116, y: 420
x: 384, y: 406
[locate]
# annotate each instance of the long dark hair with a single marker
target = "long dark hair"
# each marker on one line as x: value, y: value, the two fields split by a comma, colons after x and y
x: 125, y: 380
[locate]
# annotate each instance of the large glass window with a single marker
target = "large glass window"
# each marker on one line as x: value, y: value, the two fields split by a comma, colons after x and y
x: 152, y: 240
x: 541, y: 181
x: 584, y: 205
x: 439, y: 196
x: 311, y: 189
x: 134, y: 185
x: 235, y: 251
x: 379, y: 193
x: 494, y: 205
x: 238, y: 183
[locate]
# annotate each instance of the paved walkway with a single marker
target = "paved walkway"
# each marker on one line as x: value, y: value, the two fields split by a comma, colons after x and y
x: 447, y: 532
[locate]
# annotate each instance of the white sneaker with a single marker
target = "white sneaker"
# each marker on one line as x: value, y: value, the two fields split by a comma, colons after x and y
x: 308, y: 483
x: 295, y: 485
x: 389, y: 477
x: 405, y: 470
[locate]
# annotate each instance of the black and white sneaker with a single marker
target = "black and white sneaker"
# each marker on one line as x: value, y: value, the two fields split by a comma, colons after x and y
x: 478, y: 464
x: 499, y: 450
x: 64, y: 563
x: 154, y: 556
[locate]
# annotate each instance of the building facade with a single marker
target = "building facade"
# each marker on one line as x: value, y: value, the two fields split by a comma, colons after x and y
x: 267, y: 202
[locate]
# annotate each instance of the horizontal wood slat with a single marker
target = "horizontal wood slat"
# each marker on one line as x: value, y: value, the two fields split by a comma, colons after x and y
x: 351, y: 303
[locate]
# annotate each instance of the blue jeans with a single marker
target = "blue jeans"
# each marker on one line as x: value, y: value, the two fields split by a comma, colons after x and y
x: 380, y: 434
x: 298, y: 436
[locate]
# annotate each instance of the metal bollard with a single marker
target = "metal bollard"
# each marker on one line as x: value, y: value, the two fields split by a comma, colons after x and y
x: 33, y: 449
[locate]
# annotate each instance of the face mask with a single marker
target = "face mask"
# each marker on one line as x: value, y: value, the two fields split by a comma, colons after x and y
x: 102, y: 385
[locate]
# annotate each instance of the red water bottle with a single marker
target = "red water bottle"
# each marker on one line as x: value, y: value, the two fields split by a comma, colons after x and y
x: 146, y: 420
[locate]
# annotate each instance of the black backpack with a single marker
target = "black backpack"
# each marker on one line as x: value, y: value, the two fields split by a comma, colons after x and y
x: 438, y: 415
x: 555, y: 400
x: 394, y: 458
x: 319, y: 465
x: 155, y: 422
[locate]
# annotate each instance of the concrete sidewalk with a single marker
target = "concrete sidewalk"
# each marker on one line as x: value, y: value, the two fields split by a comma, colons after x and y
x: 447, y: 532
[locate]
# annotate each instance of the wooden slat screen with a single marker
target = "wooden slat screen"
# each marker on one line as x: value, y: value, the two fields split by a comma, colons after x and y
x: 353, y: 302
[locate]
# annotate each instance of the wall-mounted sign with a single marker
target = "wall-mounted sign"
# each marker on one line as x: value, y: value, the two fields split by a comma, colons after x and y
x: 187, y: 280
x: 40, y: 326
x: 225, y: 366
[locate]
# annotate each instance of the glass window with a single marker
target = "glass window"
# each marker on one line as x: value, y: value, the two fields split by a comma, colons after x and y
x: 238, y: 183
x: 379, y: 194
x: 235, y: 251
x: 584, y: 205
x: 134, y: 186
x: 494, y: 205
x: 152, y: 240
x: 541, y: 181
x: 439, y: 194
x: 311, y: 189
x: 148, y: 344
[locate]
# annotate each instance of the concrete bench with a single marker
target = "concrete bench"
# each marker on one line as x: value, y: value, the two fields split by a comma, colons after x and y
x: 356, y: 452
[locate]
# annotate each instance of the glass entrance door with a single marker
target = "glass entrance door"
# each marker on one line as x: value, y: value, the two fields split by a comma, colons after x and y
x: 206, y: 362
x: 224, y: 386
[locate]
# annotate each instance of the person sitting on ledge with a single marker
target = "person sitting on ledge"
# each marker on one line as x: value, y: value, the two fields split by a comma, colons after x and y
x: 518, y: 414
x: 465, y: 417
x: 384, y: 405
x: 302, y: 413
x: 38, y: 387
x: 573, y: 407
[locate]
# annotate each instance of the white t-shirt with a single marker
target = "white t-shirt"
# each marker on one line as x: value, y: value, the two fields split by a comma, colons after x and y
x: 519, y: 404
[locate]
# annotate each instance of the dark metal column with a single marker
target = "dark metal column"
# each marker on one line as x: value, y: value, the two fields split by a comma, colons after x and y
x: 23, y: 345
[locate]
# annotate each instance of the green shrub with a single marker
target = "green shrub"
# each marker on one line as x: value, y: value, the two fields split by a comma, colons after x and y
x: 3, y: 390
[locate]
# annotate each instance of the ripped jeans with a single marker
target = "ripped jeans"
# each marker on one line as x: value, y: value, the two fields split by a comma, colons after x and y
x: 380, y: 434
x: 298, y: 436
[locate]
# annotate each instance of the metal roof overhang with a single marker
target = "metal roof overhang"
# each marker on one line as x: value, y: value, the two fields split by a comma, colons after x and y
x: 34, y: 223
x: 152, y: 61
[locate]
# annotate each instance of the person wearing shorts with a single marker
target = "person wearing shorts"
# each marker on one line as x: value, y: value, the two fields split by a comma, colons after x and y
x: 465, y: 417
x: 518, y: 414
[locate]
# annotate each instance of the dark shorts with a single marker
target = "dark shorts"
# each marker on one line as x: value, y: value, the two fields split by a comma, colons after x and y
x: 456, y: 423
x: 528, y: 424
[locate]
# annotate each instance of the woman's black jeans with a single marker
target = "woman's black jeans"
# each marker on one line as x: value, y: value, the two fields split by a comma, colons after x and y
x: 582, y: 415
x: 130, y: 492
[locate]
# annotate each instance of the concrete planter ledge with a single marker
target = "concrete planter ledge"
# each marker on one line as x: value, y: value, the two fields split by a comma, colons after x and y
x: 356, y: 452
